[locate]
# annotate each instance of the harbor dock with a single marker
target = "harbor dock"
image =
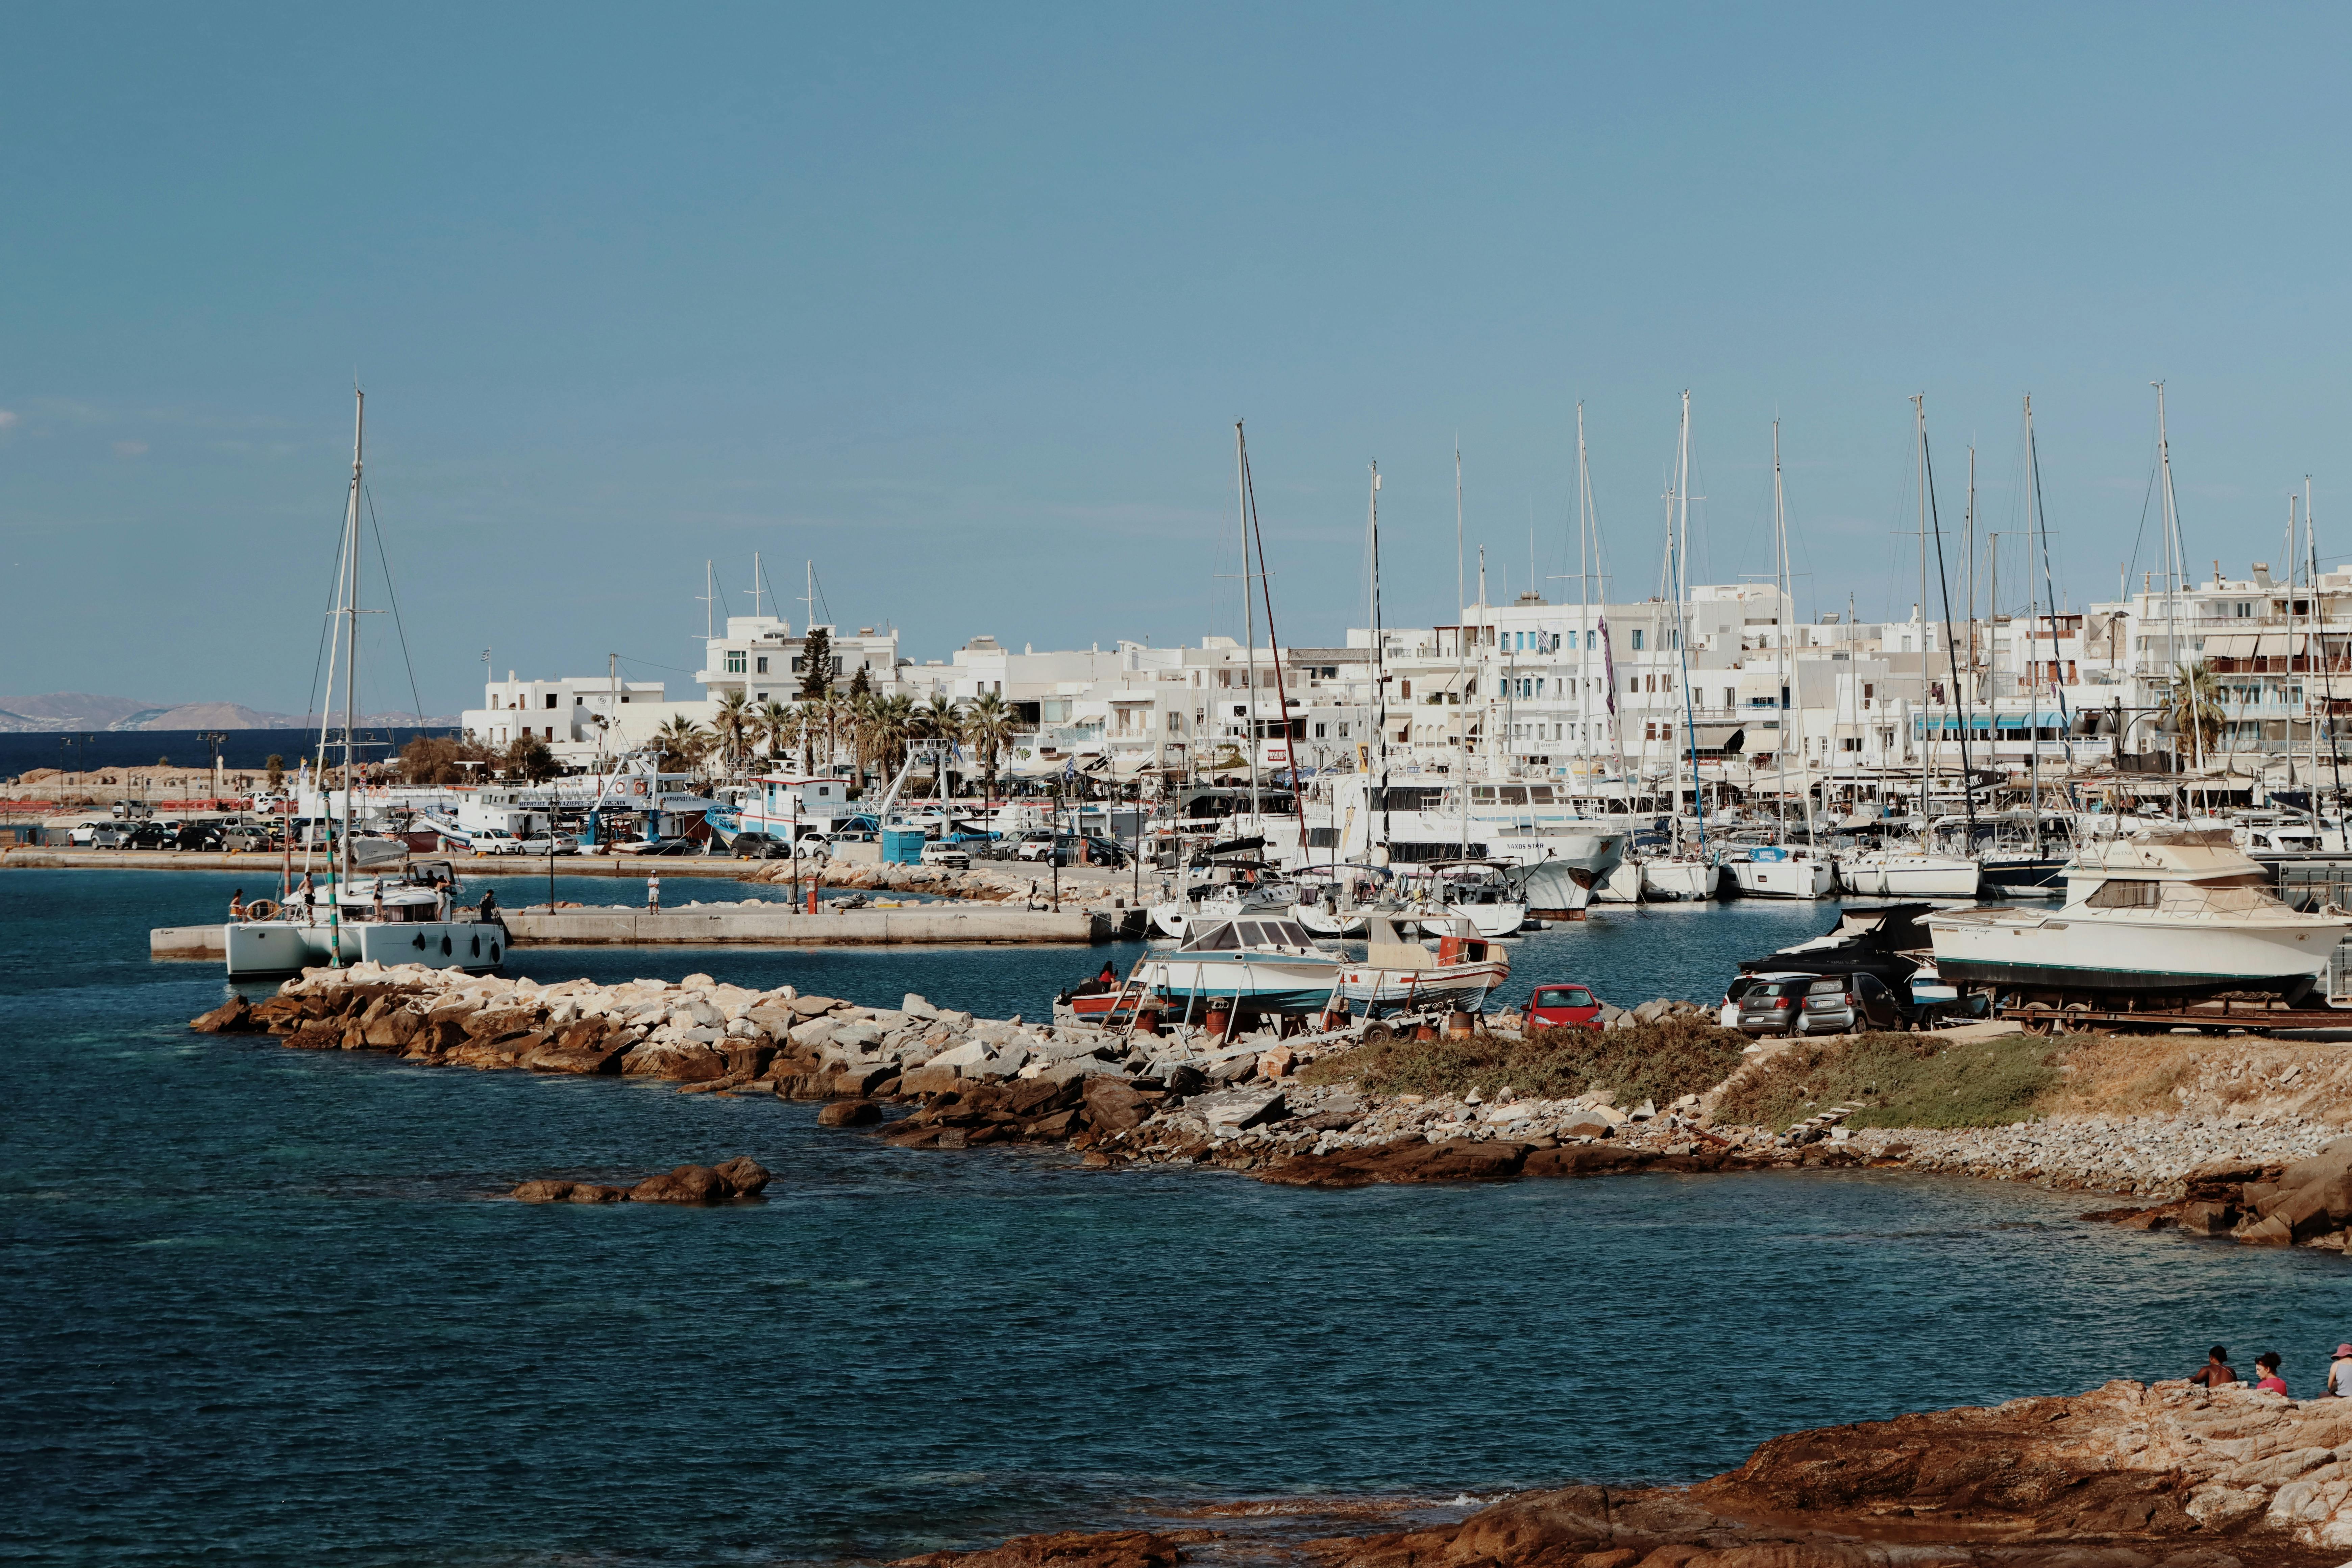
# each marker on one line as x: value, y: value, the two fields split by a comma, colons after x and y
x: 763, y: 925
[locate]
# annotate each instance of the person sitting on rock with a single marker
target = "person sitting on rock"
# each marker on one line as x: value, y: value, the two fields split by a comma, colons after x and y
x: 2267, y: 1363
x: 2339, y: 1373
x: 2217, y: 1368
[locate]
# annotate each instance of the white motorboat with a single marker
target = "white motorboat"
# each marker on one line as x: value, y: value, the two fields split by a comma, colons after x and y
x: 1779, y: 871
x: 1552, y: 889
x: 1263, y: 963
x: 2167, y: 913
x: 1398, y: 974
x: 1896, y: 873
x: 1680, y: 879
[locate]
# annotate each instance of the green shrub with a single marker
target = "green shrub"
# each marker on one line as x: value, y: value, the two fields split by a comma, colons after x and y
x: 1661, y: 1061
x: 1902, y: 1080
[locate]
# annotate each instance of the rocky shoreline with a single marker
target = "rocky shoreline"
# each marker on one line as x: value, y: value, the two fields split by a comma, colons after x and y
x: 2126, y: 1475
x: 921, y: 1076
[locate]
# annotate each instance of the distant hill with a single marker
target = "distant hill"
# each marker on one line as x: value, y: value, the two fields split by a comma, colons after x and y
x: 62, y: 711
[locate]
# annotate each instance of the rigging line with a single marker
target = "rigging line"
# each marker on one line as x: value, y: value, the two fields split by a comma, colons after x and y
x: 2049, y: 598
x: 1951, y: 653
x: 2145, y: 503
x: 326, y: 629
x: 392, y: 596
x: 1274, y: 646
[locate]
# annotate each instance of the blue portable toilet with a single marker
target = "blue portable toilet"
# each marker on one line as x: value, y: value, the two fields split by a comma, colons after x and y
x: 902, y: 846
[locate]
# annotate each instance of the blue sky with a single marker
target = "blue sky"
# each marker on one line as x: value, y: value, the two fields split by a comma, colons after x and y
x: 963, y: 303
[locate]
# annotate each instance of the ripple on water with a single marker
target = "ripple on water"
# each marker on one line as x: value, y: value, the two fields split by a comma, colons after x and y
x: 252, y: 1304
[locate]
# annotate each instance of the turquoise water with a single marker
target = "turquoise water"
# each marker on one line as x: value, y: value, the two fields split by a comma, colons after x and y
x: 261, y: 1306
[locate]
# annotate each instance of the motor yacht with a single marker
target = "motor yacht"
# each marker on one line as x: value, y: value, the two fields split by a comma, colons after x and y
x: 2162, y: 913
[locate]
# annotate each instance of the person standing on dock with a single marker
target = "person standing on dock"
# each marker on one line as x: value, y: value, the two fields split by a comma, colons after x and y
x: 653, y: 891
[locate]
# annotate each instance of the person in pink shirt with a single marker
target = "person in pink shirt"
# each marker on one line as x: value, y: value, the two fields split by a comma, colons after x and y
x: 2267, y: 1363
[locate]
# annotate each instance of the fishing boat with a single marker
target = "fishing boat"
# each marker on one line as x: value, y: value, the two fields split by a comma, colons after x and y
x: 1400, y: 975
x: 2164, y: 913
x: 1206, y: 906
x: 1265, y: 963
x: 386, y: 919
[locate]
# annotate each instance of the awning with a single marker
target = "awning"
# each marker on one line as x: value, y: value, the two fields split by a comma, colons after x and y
x: 2235, y: 645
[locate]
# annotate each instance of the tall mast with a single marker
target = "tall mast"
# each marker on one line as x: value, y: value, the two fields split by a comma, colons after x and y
x: 2033, y: 688
x: 1249, y: 614
x: 1968, y: 553
x: 1583, y: 598
x: 755, y: 591
x: 351, y: 635
x: 1462, y: 656
x: 1919, y: 413
x: 1682, y: 639
x: 2184, y: 700
x: 1380, y: 654
x: 1274, y: 652
x: 1780, y: 561
x: 2327, y: 673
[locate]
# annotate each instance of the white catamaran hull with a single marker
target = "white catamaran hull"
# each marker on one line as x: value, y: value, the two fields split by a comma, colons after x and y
x: 287, y: 947
x: 1621, y: 885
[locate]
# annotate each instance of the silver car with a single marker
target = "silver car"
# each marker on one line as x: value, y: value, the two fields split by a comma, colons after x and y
x: 1775, y: 1003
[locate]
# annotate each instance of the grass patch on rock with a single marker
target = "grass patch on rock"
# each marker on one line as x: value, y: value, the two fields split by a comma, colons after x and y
x: 1901, y: 1081
x: 1661, y: 1061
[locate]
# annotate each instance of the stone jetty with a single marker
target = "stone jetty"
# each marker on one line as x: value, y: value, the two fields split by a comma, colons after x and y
x: 2126, y: 1475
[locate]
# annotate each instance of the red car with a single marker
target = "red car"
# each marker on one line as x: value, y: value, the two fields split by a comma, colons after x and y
x: 1560, y: 1006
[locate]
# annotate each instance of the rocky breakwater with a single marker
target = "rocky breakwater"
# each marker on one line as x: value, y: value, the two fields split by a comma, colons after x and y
x: 2126, y: 1475
x: 737, y: 1179
x: 704, y: 1035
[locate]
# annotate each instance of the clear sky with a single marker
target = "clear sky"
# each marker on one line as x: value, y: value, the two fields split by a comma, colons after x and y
x: 962, y: 302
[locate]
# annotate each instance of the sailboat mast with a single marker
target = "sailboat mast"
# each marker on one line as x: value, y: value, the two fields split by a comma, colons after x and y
x: 1274, y: 652
x: 1380, y: 654
x: 2185, y: 702
x: 2033, y: 688
x: 1249, y: 614
x: 351, y: 635
x: 1682, y: 639
x: 1919, y: 413
x: 1583, y: 600
x: 1462, y: 654
x: 1781, y: 619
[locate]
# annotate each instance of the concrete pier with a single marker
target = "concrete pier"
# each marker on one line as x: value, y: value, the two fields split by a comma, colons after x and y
x: 264, y: 865
x: 191, y: 943
x: 777, y: 925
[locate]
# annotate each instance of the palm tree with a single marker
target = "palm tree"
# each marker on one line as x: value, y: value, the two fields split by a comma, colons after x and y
x: 773, y: 725
x: 888, y: 722
x: 988, y: 725
x: 2194, y: 703
x: 682, y: 741
x: 732, y: 726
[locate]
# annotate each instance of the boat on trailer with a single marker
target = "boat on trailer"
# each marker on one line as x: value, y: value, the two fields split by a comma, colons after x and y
x: 1396, y: 975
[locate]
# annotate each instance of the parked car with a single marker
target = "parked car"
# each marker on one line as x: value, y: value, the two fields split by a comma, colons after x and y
x: 109, y: 835
x: 495, y: 841
x: 1773, y: 1004
x: 1041, y: 850
x: 1845, y: 1003
x: 955, y: 856
x: 855, y: 830
x: 1560, y: 1006
x: 246, y: 836
x: 1728, y: 1014
x: 147, y: 836
x: 1107, y: 852
x: 760, y: 847
x: 538, y: 844
x: 82, y: 836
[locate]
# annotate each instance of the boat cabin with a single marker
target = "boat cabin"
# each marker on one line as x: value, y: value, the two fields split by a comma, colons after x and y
x: 1233, y: 935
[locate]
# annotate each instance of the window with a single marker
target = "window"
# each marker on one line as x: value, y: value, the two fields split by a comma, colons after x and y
x: 550, y: 699
x: 798, y: 664
x: 734, y: 662
x: 1343, y: 728
x: 836, y: 665
x: 762, y: 664
x: 1405, y: 688
x: 1319, y: 731
x: 1637, y: 639
x: 2124, y: 893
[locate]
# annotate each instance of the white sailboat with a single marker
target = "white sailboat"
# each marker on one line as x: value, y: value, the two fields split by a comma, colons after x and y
x: 1782, y: 869
x: 382, y: 920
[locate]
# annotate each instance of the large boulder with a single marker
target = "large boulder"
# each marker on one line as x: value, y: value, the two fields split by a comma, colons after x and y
x: 686, y: 1185
x: 745, y: 1177
x: 1074, y: 1549
x: 849, y: 1113
x: 1113, y: 1106
x: 1411, y: 1160
x: 232, y: 1016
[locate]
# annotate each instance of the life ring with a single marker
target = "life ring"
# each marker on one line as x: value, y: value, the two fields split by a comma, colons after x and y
x: 262, y: 909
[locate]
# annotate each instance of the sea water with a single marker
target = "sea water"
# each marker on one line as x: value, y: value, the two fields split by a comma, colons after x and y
x: 267, y: 1306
